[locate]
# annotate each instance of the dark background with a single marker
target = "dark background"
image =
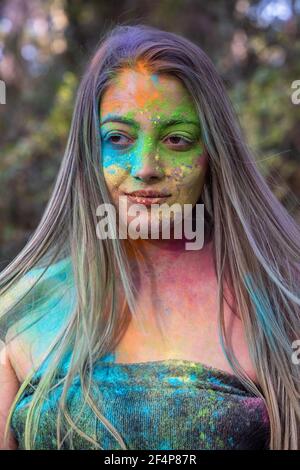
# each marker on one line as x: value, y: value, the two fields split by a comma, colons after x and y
x: 44, y: 46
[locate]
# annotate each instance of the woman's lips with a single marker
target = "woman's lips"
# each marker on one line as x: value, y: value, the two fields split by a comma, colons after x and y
x: 148, y: 196
x: 147, y: 201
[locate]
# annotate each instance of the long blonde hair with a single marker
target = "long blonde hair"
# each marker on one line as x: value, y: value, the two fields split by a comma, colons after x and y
x: 67, y: 275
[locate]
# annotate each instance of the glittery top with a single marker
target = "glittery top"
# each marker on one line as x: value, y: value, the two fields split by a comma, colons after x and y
x: 169, y: 404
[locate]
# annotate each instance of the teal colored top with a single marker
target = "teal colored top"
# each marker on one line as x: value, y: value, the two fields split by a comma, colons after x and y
x: 169, y: 404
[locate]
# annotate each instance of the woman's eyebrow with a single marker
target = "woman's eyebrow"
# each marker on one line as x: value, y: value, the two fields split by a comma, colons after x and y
x: 124, y: 120
x: 160, y: 122
x: 173, y: 122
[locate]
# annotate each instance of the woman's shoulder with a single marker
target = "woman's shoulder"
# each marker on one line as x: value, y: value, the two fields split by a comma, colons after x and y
x: 38, y: 318
x: 18, y: 351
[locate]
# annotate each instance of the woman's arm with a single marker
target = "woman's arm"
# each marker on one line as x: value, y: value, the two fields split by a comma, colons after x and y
x: 9, y: 386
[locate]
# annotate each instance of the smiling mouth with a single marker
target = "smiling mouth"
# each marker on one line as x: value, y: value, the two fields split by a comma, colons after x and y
x: 147, y: 197
x: 147, y: 201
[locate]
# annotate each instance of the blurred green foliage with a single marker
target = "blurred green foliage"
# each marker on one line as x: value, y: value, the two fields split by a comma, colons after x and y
x: 44, y: 46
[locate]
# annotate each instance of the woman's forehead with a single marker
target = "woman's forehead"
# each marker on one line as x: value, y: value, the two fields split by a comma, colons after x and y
x: 144, y: 93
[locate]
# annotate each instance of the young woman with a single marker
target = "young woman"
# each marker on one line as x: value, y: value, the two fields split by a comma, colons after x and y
x: 140, y: 343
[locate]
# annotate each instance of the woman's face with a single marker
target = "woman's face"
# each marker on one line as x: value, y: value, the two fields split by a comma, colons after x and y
x: 151, y: 139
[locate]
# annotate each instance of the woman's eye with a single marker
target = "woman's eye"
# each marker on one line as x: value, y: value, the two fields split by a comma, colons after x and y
x: 119, y: 140
x: 178, y: 141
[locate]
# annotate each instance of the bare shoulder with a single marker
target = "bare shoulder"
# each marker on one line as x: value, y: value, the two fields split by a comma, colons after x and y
x: 6, y: 367
x: 29, y: 340
x: 20, y: 354
x: 40, y: 316
x: 27, y: 347
x: 9, y: 386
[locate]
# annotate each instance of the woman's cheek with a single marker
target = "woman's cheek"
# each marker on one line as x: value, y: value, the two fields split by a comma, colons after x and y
x: 113, y: 159
x: 114, y: 175
x: 202, y: 160
x: 185, y: 173
x: 194, y: 173
x: 188, y: 180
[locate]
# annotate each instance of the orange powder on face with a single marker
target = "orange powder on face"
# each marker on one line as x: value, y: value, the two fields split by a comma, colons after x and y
x: 142, y: 92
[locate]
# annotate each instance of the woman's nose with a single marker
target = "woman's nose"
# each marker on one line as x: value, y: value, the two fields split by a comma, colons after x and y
x: 148, y: 170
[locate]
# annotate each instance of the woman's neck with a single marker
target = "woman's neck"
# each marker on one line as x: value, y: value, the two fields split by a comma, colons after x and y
x: 152, y: 248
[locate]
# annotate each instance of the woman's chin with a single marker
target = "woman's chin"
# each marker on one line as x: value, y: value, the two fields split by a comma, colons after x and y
x: 148, y: 228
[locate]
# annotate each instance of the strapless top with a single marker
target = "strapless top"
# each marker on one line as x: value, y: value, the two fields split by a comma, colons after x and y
x: 168, y: 404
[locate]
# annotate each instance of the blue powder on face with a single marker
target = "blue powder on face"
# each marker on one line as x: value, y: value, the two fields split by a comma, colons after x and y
x: 154, y: 78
